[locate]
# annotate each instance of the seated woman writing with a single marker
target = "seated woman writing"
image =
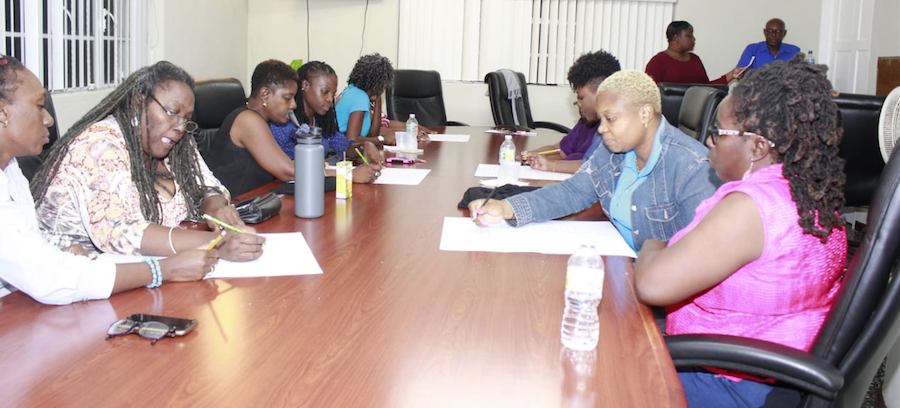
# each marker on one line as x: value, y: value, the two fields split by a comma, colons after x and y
x: 359, y: 106
x: 125, y: 175
x: 315, y: 107
x: 29, y: 263
x: 771, y: 239
x: 585, y: 75
x: 678, y: 64
x: 648, y: 176
x: 244, y: 154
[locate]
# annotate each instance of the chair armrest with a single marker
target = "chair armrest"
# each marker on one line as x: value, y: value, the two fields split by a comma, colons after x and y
x: 554, y: 126
x: 761, y: 358
x: 455, y: 123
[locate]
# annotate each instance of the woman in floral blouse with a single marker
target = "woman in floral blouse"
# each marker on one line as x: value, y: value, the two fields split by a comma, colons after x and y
x: 128, y: 173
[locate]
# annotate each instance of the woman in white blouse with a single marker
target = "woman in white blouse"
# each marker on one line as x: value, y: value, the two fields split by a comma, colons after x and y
x: 45, y: 272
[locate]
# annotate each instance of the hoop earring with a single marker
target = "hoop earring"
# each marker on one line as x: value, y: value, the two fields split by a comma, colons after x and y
x: 749, y: 169
x: 135, y: 122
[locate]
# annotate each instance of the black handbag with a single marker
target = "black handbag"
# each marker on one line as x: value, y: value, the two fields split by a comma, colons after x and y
x: 259, y: 209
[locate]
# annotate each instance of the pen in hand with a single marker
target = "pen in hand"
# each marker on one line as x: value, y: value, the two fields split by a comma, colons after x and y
x: 491, y: 195
x: 224, y: 224
x: 361, y: 156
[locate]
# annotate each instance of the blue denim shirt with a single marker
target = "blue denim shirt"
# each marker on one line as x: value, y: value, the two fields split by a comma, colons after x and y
x: 661, y: 206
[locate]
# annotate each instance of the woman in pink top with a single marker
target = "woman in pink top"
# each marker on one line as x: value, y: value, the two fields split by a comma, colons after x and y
x: 771, y: 238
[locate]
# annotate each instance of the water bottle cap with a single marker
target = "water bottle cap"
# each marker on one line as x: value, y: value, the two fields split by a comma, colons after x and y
x: 508, y: 137
x: 412, y: 115
x: 313, y: 137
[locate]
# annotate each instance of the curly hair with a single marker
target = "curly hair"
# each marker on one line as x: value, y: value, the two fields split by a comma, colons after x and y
x: 372, y: 73
x: 272, y: 74
x: 676, y: 28
x: 128, y: 105
x: 327, y: 122
x: 9, y: 77
x: 635, y: 86
x: 592, y: 68
x: 790, y: 103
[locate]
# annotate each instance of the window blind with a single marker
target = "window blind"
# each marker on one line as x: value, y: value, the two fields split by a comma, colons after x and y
x: 466, y: 39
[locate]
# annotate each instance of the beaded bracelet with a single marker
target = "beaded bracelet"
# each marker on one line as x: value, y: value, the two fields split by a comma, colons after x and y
x: 156, y: 270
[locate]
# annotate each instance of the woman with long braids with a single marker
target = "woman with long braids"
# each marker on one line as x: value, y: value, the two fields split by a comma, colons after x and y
x: 315, y: 107
x: 29, y: 263
x: 771, y: 239
x: 125, y: 175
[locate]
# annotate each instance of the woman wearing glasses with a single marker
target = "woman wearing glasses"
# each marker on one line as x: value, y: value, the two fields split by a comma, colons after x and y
x: 29, y: 263
x: 771, y: 240
x: 125, y: 175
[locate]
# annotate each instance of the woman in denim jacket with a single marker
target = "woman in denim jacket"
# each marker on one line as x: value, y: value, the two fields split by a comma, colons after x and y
x: 648, y: 176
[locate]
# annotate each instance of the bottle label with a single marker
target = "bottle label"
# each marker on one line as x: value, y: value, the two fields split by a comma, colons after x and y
x: 508, y: 155
x: 585, y: 280
x: 411, y: 128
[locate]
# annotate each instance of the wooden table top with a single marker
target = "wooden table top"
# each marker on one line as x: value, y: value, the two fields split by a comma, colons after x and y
x: 392, y: 322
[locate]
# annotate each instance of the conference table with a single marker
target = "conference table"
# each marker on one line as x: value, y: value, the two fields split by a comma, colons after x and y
x: 392, y: 322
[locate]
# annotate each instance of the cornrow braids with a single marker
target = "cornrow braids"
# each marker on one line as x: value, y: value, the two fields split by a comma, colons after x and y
x: 790, y: 103
x: 327, y: 122
x: 372, y: 73
x: 592, y: 68
x: 128, y: 105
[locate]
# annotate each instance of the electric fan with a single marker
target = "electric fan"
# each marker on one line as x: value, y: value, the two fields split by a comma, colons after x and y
x: 889, y: 124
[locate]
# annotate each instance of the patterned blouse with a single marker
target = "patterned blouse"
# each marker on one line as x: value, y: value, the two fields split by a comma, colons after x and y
x: 93, y: 200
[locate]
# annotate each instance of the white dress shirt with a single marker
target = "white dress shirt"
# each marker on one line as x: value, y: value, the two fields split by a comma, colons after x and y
x: 35, y: 267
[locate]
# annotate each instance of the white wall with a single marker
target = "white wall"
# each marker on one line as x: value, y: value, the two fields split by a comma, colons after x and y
x: 885, y: 37
x: 724, y: 27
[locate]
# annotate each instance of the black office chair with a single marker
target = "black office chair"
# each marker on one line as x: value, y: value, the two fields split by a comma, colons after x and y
x: 502, y: 108
x: 421, y: 93
x: 214, y: 99
x: 29, y: 164
x: 859, y: 147
x: 858, y: 332
x: 672, y: 95
x: 698, y: 110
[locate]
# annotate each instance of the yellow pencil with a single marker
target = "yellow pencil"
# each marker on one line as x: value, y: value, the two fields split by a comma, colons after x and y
x: 223, y: 224
x: 549, y: 151
x: 215, y: 241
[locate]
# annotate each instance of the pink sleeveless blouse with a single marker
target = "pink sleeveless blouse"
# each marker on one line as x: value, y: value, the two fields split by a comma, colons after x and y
x: 784, y: 295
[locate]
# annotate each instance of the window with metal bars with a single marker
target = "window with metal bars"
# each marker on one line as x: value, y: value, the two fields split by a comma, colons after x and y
x: 76, y: 44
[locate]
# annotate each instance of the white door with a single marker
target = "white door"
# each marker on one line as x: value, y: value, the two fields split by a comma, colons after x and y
x: 846, y: 42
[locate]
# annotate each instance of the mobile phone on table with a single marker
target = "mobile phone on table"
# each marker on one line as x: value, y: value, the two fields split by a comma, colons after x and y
x: 181, y: 326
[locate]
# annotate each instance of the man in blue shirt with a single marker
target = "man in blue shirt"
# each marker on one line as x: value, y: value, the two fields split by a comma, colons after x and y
x: 770, y: 50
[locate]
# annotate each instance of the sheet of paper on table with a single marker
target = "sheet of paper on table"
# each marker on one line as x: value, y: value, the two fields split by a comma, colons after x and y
x: 525, y: 173
x: 405, y: 177
x: 551, y: 237
x: 448, y: 138
x: 285, y: 254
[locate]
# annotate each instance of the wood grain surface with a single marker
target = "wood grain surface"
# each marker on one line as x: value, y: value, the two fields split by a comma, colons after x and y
x: 392, y: 322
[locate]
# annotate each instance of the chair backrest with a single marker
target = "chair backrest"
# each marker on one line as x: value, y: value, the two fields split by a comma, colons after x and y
x: 417, y: 92
x: 864, y: 321
x: 859, y: 147
x: 501, y: 108
x: 214, y: 99
x: 672, y: 95
x: 29, y: 164
x: 698, y: 110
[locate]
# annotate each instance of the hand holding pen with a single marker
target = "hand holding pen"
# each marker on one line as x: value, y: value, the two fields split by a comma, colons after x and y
x: 239, y: 244
x: 489, y: 211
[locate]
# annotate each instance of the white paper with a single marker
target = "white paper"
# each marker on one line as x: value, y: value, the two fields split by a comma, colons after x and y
x: 494, y: 182
x: 391, y: 148
x: 525, y: 173
x: 284, y: 254
x: 406, y: 177
x: 448, y: 138
x: 551, y: 237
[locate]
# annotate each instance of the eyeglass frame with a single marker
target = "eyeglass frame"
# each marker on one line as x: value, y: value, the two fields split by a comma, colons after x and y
x: 138, y: 326
x: 713, y: 133
x: 189, y: 125
x: 775, y: 31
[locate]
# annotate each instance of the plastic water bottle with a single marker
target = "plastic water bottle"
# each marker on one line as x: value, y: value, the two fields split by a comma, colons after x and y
x: 309, y: 174
x: 509, y: 169
x: 810, y: 58
x: 412, y: 125
x: 584, y: 288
